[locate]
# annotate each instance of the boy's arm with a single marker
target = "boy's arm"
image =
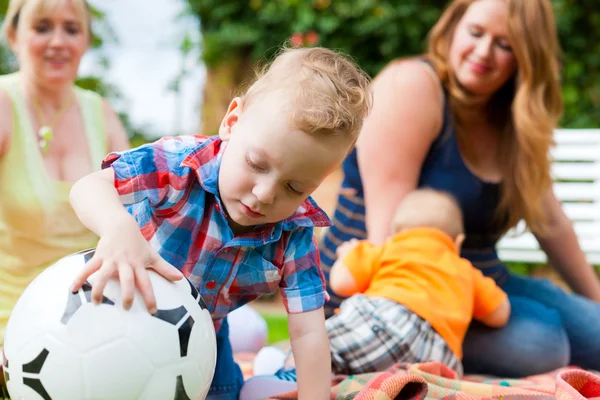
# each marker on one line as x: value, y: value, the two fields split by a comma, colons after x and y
x: 310, y: 347
x: 97, y: 203
x: 122, y: 251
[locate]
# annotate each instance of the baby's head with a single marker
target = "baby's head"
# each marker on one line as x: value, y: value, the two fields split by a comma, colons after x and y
x: 290, y: 130
x: 430, y: 208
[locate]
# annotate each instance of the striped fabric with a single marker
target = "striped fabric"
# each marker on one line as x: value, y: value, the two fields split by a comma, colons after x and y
x: 372, y: 334
x: 171, y: 188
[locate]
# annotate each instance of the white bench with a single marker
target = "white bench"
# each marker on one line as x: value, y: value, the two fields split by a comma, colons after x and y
x: 576, y: 171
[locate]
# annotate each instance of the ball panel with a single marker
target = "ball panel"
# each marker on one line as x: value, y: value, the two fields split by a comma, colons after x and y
x: 36, y: 385
x: 173, y: 316
x: 202, y: 344
x: 94, y: 326
x: 117, y: 370
x: 18, y: 390
x: 162, y: 346
x: 62, y: 374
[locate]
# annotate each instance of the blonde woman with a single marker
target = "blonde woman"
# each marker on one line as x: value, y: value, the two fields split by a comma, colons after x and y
x: 475, y: 117
x: 51, y: 134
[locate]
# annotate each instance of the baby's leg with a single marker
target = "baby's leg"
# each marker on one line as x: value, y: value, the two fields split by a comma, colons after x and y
x: 372, y: 334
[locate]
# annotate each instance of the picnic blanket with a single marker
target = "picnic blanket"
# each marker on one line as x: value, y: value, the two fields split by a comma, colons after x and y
x: 436, y: 381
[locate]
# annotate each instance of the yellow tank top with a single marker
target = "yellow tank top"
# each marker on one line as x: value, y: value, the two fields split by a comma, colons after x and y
x: 37, y: 224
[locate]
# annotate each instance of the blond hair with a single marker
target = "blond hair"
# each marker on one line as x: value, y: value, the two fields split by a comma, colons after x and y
x: 527, y: 108
x: 429, y: 208
x: 23, y: 10
x: 332, y: 95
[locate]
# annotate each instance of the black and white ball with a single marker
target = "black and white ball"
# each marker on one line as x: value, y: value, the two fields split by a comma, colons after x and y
x: 58, y: 345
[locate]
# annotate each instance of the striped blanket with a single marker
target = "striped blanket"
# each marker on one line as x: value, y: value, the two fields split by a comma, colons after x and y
x: 435, y: 381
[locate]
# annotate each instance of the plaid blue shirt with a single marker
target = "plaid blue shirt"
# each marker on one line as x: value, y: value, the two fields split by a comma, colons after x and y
x: 171, y: 188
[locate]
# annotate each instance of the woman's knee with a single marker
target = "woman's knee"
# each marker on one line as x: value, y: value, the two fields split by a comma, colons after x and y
x: 534, y: 341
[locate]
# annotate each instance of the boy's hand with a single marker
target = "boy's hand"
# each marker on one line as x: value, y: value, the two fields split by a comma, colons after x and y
x: 346, y: 248
x: 124, y: 253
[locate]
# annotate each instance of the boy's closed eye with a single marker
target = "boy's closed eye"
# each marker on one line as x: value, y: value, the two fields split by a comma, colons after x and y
x: 258, y: 166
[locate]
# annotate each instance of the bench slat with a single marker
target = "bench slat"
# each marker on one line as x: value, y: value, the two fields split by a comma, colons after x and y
x: 576, y: 171
x: 563, y: 136
x: 585, y: 152
x: 575, y: 191
x: 582, y: 211
x: 533, y: 256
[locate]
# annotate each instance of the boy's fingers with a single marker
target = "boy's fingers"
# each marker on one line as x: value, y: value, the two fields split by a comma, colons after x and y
x: 89, y: 268
x: 127, y: 280
x: 99, y: 283
x: 144, y: 285
x: 166, y: 270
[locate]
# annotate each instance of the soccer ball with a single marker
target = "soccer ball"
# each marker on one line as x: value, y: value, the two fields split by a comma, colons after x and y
x: 58, y: 345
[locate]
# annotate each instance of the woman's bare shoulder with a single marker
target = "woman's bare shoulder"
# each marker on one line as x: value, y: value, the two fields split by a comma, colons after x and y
x: 411, y: 73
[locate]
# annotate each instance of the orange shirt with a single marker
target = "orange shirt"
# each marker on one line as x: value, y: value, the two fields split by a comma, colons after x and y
x: 420, y: 268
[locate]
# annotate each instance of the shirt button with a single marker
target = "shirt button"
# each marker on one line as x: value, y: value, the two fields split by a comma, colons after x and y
x: 210, y: 285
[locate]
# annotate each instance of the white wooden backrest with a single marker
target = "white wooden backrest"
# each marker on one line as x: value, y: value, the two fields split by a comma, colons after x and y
x: 576, y: 171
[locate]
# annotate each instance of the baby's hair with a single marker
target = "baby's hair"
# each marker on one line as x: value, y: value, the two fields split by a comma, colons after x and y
x: 331, y: 94
x: 429, y: 208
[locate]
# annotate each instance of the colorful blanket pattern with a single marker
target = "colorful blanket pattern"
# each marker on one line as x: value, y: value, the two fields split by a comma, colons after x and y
x: 436, y: 382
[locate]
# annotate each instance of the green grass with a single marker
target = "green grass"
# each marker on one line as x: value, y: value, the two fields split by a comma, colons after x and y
x: 277, y: 327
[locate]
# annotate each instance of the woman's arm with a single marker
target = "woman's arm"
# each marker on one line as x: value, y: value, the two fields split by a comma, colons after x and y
x: 406, y: 117
x: 564, y: 252
x: 5, y: 122
x: 115, y: 132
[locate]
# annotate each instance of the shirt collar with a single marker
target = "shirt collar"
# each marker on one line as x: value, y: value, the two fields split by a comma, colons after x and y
x: 205, y: 161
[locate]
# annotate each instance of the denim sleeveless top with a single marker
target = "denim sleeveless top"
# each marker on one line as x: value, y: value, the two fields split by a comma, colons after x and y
x: 443, y: 169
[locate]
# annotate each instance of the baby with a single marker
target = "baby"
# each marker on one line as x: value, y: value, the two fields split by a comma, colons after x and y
x: 412, y: 298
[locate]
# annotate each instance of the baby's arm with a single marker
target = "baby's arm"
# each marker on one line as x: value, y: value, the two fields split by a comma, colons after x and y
x: 491, y: 304
x: 499, y: 317
x: 341, y: 280
x: 310, y: 346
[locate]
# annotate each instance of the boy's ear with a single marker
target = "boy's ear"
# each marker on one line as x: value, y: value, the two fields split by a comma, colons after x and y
x: 231, y: 118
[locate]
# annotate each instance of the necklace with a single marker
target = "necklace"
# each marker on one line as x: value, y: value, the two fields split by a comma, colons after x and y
x: 45, y: 133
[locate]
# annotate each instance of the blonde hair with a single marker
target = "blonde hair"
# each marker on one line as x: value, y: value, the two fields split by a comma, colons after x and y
x: 527, y: 108
x: 23, y: 10
x: 429, y: 208
x: 332, y: 95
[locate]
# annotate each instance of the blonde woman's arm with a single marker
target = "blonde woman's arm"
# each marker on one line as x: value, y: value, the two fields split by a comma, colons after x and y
x: 5, y: 122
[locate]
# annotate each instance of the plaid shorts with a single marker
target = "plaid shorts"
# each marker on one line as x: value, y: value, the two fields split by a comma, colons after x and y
x: 371, y: 334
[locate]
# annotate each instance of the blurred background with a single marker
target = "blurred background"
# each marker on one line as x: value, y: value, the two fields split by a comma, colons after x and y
x: 171, y: 66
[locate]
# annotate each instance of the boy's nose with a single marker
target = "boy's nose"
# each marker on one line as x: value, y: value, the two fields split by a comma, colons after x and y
x: 265, y: 193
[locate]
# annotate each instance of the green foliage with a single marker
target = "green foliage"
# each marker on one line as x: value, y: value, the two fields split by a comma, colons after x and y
x: 377, y: 31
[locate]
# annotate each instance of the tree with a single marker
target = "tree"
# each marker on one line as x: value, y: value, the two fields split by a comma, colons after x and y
x: 238, y: 33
